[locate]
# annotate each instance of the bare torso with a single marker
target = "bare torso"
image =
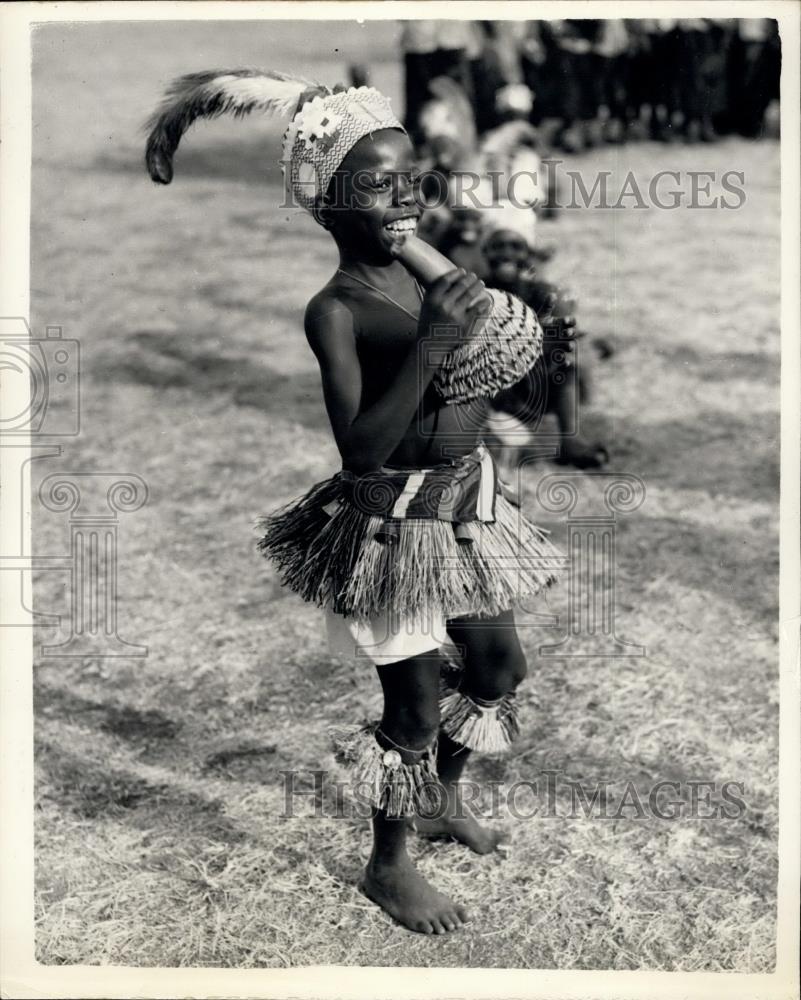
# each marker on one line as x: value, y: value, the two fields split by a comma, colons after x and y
x: 384, y: 332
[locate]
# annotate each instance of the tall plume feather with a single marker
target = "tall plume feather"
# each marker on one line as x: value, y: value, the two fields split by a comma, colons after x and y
x: 213, y: 93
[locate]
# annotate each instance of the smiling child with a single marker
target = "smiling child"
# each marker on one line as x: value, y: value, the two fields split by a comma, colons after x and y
x: 413, y: 543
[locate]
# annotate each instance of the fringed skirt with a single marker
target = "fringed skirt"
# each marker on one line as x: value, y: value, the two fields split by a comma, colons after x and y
x: 442, y: 541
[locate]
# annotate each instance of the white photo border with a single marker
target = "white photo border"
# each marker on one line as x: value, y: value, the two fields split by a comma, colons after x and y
x: 20, y: 974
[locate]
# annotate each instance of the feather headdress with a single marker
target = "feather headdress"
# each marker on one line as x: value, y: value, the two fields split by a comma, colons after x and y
x: 324, y: 124
x: 211, y: 94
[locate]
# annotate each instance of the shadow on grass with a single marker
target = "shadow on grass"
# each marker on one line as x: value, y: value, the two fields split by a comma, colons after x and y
x: 737, y: 567
x: 182, y: 360
x: 92, y: 790
x: 720, y: 366
x: 732, y: 565
x: 702, y: 453
x: 246, y: 760
x: 141, y: 726
x: 152, y: 735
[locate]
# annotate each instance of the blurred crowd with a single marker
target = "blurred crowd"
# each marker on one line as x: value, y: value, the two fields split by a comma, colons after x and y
x: 487, y: 101
x: 602, y: 80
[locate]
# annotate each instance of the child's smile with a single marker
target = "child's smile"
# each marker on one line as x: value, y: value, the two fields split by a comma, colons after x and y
x: 403, y: 226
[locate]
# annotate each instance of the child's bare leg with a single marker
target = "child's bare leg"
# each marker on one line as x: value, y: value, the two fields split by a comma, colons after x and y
x: 494, y: 666
x: 575, y: 450
x: 410, y: 721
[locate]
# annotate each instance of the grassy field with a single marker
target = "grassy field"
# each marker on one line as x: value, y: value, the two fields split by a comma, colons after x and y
x: 160, y: 839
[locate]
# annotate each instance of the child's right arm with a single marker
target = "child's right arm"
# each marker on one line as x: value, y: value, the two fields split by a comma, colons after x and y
x: 366, y: 439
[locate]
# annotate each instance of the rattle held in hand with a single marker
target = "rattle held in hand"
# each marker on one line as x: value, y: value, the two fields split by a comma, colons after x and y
x: 499, y: 351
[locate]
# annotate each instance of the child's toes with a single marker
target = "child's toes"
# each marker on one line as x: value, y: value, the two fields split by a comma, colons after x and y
x: 462, y: 914
x: 504, y: 844
x: 424, y: 927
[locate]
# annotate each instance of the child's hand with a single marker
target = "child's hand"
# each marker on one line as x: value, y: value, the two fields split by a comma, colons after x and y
x: 452, y: 308
x: 558, y: 323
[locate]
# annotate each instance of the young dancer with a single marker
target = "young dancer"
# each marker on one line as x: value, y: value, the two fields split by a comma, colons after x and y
x: 413, y: 542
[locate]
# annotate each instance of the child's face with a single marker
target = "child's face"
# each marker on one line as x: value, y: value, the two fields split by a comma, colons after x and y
x: 507, y: 255
x: 374, y: 200
x: 466, y: 224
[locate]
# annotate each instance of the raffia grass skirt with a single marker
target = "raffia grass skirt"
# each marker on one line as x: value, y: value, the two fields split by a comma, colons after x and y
x: 326, y: 551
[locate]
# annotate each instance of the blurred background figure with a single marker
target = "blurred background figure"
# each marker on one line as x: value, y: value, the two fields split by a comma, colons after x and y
x: 501, y: 91
x: 662, y: 86
x: 463, y: 227
x: 447, y: 147
x: 572, y: 63
x: 611, y: 55
x: 753, y: 69
x: 433, y: 49
x: 452, y: 158
x: 557, y: 385
x: 584, y: 82
x: 698, y: 74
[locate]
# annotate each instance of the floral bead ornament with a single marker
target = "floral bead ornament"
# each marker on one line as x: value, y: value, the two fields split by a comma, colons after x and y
x: 320, y: 128
x: 322, y: 134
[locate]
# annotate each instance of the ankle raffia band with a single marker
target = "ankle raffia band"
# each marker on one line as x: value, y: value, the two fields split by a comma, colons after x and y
x: 479, y: 724
x: 398, y: 781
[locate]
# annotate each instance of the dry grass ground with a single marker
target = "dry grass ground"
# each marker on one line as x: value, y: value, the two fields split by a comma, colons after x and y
x: 160, y: 839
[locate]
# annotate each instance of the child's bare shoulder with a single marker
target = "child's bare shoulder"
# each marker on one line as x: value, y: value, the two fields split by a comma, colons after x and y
x: 338, y: 305
x: 328, y: 309
x: 331, y: 315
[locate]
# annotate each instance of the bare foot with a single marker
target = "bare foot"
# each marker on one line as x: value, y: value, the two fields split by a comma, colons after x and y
x: 458, y: 821
x: 402, y: 891
x: 582, y: 454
